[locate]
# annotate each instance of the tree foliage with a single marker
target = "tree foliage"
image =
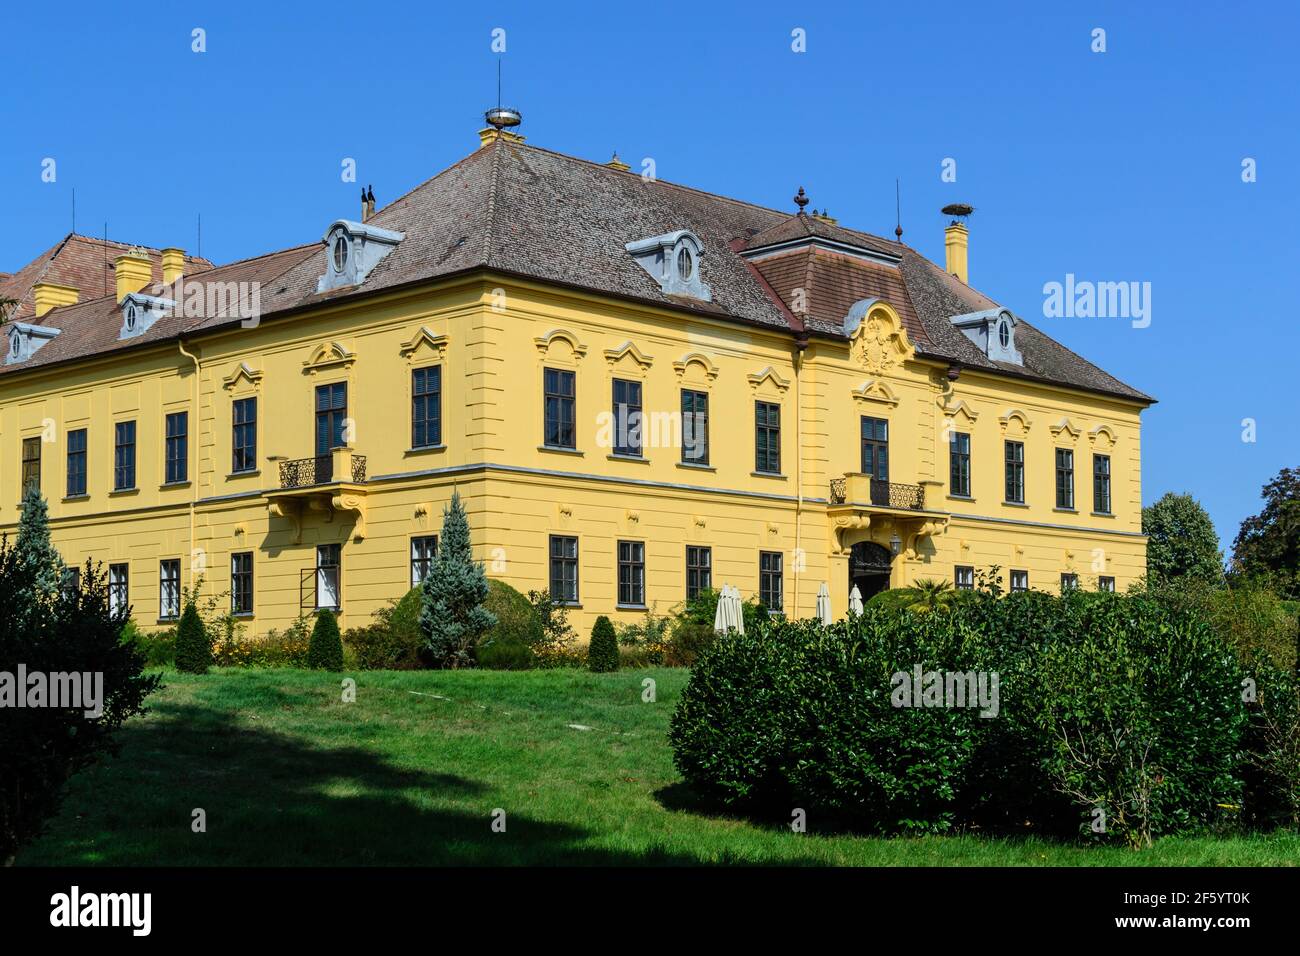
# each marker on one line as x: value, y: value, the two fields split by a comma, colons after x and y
x: 454, y: 616
x: 193, y: 644
x: 1268, y: 544
x: 1181, y: 541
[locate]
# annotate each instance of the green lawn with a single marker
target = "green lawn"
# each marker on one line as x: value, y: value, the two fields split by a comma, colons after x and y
x: 412, y: 772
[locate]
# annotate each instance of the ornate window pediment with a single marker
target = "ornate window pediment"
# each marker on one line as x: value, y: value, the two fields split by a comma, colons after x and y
x: 697, y: 360
x: 628, y: 350
x: 769, y: 376
x: 1017, y: 416
x: 243, y: 372
x: 875, y: 390
x: 329, y: 355
x: 1067, y: 427
x: 1103, y: 435
x: 545, y: 343
x: 424, y: 338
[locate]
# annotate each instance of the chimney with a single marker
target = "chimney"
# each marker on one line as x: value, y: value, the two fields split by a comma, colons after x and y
x: 132, y: 270
x: 954, y: 243
x: 173, y: 265
x: 51, y: 295
x: 369, y: 208
x: 365, y: 206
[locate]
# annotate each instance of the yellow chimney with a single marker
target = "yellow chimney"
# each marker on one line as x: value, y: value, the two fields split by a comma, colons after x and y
x: 133, y: 270
x: 173, y: 265
x: 955, y: 242
x: 488, y: 135
x: 51, y: 295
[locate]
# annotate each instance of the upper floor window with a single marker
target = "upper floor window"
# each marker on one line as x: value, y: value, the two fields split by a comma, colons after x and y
x: 243, y: 435
x: 426, y: 407
x: 959, y: 464
x: 331, y: 417
x: 177, y: 451
x: 1015, y: 471
x: 559, y: 413
x: 695, y: 427
x: 76, y: 463
x: 875, y: 448
x: 627, y: 417
x: 1064, y: 478
x: 767, y: 438
x: 31, y: 464
x: 124, y: 456
x: 1101, y: 484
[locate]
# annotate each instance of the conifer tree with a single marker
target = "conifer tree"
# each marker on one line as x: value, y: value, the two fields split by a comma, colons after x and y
x: 454, y: 615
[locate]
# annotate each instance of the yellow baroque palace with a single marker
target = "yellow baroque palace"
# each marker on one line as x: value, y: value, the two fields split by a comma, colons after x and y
x: 638, y: 389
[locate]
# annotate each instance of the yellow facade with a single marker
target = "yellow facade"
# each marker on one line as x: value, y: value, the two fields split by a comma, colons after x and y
x: 492, y: 337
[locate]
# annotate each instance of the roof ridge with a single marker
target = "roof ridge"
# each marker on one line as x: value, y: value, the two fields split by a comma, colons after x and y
x: 493, y: 177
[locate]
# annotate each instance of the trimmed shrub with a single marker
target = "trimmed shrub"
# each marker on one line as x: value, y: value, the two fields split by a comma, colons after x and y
x: 193, y: 647
x: 602, y: 653
x: 326, y: 649
x: 509, y: 644
x: 393, y: 641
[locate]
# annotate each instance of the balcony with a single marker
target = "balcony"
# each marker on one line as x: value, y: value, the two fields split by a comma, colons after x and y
x: 324, y: 486
x: 881, y: 494
x: 306, y: 472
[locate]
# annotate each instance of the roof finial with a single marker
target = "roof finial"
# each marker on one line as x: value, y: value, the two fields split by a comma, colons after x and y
x: 801, y: 200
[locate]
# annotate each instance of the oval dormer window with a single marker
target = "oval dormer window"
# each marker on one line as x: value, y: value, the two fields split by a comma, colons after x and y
x: 16, y: 344
x: 685, y: 264
x: 340, y: 253
x: 1004, y: 333
x: 130, y: 317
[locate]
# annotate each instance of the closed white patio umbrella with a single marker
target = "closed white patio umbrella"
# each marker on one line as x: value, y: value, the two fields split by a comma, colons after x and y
x: 720, y: 615
x: 855, y: 601
x: 737, y: 615
x: 824, y: 603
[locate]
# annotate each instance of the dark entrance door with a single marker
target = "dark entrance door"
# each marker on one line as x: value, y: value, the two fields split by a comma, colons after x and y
x: 869, y: 568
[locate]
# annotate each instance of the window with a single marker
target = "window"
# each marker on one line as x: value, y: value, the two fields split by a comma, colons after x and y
x: 31, y: 463
x: 169, y: 589
x: 959, y: 465
x: 564, y: 569
x: 1004, y: 334
x: 1064, y: 478
x: 631, y: 573
x: 76, y: 463
x: 241, y: 583
x: 767, y: 438
x: 1015, y: 469
x: 423, y: 551
x: 695, y: 427
x: 243, y: 436
x: 699, y: 570
x: 1101, y: 484
x: 426, y: 407
x: 1105, y: 583
x: 1019, y: 581
x: 1069, y: 582
x: 71, y: 581
x: 559, y: 414
x: 331, y: 417
x: 627, y: 417
x: 177, y: 450
x: 963, y: 578
x: 770, y: 583
x: 875, y: 448
x: 119, y: 590
x: 340, y: 253
x: 685, y: 264
x: 124, y: 456
x: 328, y: 559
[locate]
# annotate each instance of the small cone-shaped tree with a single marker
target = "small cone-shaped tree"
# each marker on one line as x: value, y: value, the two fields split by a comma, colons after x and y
x: 602, y: 654
x: 325, y: 652
x: 454, y: 615
x: 193, y: 649
x: 33, y: 549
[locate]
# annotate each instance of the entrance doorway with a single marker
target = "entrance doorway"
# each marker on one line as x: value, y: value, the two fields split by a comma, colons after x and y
x: 869, y: 568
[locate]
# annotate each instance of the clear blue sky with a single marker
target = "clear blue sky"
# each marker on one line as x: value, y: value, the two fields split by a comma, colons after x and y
x: 1115, y: 166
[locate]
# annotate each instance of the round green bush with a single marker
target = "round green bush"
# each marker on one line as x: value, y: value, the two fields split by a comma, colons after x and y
x: 393, y: 641
x: 326, y: 649
x: 509, y: 644
x: 193, y: 647
x: 602, y: 653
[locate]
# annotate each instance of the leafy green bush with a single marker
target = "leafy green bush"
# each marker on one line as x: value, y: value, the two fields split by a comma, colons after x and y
x: 193, y: 646
x: 287, y: 648
x: 894, y: 599
x: 602, y: 653
x: 703, y: 609
x: 643, y: 643
x: 158, y: 648
x: 509, y: 644
x: 393, y: 641
x: 325, y: 652
x: 687, y: 641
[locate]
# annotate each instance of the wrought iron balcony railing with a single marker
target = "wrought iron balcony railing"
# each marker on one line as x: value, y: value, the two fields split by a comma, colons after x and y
x: 884, y: 494
x: 305, y: 472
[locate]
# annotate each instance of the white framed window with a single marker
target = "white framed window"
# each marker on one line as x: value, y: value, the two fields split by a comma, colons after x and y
x: 423, y: 551
x: 119, y: 588
x: 169, y: 589
x: 328, y: 576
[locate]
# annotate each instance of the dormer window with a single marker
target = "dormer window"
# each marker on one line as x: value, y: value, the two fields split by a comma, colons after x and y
x: 354, y: 249
x: 140, y: 312
x: 994, y: 332
x: 25, y: 339
x: 130, y: 317
x: 673, y: 260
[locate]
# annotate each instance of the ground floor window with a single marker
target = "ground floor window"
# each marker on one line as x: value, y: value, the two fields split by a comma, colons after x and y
x: 770, y: 580
x: 1019, y: 581
x: 1069, y: 582
x: 699, y: 570
x: 119, y: 587
x: 564, y: 569
x: 963, y: 578
x: 631, y: 573
x: 423, y: 551
x: 169, y: 589
x: 241, y: 583
x: 328, y: 575
x: 1106, y: 584
x: 71, y: 581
